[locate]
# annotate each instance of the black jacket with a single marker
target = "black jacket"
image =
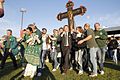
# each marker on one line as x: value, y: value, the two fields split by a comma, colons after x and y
x: 113, y: 44
x: 76, y: 39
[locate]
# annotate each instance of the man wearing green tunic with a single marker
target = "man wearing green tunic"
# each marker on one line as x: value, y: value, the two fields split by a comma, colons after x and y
x: 38, y: 32
x: 10, y: 48
x: 32, y: 52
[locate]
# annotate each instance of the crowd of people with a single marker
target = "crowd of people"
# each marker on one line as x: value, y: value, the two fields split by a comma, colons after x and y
x: 80, y: 49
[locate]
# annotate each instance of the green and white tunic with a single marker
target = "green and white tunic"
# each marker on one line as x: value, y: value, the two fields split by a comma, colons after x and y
x: 32, y: 51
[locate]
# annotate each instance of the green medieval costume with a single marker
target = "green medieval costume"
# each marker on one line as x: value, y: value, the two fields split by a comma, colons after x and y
x: 32, y: 51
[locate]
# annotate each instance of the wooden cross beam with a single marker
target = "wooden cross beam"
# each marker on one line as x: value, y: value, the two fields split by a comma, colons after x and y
x: 71, y: 13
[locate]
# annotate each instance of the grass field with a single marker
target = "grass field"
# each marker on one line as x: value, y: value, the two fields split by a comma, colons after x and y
x: 112, y: 72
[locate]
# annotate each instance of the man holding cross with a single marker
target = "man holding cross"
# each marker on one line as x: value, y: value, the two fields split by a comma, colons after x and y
x: 66, y: 37
x: 66, y: 48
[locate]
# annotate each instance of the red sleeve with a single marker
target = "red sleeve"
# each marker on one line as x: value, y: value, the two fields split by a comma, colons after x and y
x: 1, y: 13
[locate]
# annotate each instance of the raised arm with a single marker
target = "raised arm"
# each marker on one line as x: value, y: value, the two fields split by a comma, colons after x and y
x: 1, y: 8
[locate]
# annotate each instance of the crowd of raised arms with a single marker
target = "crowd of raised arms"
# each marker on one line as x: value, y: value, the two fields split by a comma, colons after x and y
x: 82, y: 49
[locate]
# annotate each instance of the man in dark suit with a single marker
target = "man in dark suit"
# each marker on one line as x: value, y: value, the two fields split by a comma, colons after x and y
x: 66, y: 48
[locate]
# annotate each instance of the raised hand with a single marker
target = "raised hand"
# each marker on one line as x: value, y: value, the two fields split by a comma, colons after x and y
x: 2, y: 1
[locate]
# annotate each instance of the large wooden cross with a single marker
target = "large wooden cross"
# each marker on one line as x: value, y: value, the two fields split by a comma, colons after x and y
x: 71, y: 13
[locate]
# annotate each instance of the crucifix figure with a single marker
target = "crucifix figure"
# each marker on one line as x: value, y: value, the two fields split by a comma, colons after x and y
x: 71, y: 13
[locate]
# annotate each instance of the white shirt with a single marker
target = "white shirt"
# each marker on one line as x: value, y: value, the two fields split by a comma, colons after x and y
x: 44, y: 45
x: 79, y: 35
